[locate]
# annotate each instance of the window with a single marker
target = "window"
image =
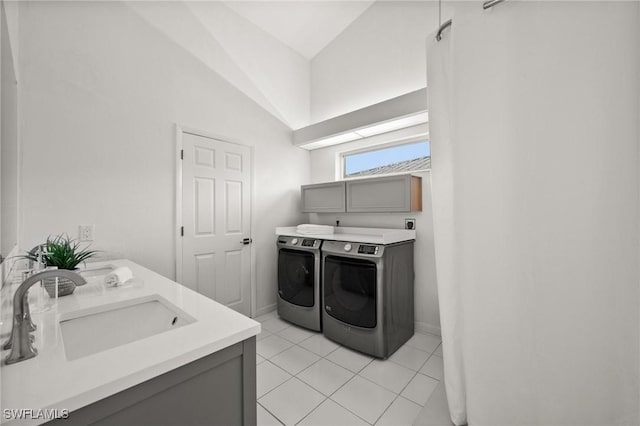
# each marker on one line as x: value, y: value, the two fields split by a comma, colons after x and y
x: 395, y: 159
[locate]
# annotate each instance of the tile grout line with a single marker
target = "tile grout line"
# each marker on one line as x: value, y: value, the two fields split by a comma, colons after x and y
x: 391, y: 390
x: 399, y: 394
x: 323, y: 356
x: 340, y: 387
x: 277, y: 353
x: 304, y: 382
x: 295, y: 343
x: 295, y: 376
x: 325, y: 397
x: 349, y: 410
x: 404, y: 387
x: 334, y: 363
x: 416, y: 372
x: 273, y: 415
x: 271, y: 390
x: 304, y: 368
x: 312, y: 410
x: 288, y: 380
x: 385, y: 410
x: 364, y: 378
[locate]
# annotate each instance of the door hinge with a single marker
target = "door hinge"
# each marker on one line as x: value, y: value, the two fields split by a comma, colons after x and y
x: 182, y: 231
x: 182, y: 154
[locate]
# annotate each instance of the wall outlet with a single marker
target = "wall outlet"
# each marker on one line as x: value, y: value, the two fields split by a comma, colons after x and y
x: 86, y: 232
x: 410, y: 224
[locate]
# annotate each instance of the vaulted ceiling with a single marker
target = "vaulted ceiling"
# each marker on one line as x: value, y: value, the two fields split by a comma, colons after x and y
x: 263, y: 48
x: 305, y: 26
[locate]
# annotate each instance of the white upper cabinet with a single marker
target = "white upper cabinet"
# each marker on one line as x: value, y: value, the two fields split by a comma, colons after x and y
x: 401, y: 193
x: 323, y: 198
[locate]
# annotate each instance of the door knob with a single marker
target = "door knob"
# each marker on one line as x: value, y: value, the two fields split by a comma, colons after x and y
x: 246, y: 241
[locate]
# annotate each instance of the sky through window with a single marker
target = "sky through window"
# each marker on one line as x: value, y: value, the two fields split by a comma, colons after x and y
x: 356, y: 163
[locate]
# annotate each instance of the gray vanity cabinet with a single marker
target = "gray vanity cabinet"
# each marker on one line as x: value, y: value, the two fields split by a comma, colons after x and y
x: 219, y: 389
x: 323, y: 198
x: 400, y: 193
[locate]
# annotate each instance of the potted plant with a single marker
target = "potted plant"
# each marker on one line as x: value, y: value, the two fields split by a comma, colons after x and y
x: 64, y: 253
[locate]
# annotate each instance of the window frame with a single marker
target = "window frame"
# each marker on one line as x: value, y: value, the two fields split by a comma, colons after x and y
x: 377, y: 147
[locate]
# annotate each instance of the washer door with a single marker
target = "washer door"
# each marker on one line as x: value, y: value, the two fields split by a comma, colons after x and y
x: 350, y: 290
x: 296, y: 272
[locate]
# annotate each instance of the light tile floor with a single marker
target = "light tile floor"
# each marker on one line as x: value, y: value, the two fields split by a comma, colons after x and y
x: 303, y: 378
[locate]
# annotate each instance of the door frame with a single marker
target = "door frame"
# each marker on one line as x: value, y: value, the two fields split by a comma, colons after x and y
x: 180, y: 129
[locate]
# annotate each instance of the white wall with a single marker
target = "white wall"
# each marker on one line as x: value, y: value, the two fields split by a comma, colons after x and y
x: 380, y: 56
x: 324, y: 168
x: 11, y: 9
x: 102, y: 91
x: 9, y: 148
x: 262, y: 67
x: 9, y: 139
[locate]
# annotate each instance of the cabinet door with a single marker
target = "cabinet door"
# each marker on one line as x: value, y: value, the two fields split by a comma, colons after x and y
x: 323, y: 198
x: 401, y: 193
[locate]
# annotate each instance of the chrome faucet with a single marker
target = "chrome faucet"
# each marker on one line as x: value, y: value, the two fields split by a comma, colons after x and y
x: 20, y: 340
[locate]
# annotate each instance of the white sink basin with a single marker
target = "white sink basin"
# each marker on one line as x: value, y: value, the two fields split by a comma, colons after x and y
x: 104, y: 327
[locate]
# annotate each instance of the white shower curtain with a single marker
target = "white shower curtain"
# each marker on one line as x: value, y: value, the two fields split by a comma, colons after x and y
x: 534, y: 110
x: 440, y: 90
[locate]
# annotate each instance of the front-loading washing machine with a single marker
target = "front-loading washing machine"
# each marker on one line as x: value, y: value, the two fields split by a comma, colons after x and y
x: 299, y: 297
x: 368, y: 295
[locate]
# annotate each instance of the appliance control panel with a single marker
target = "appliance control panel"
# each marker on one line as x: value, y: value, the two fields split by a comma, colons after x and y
x: 367, y: 249
x: 299, y: 242
x: 353, y: 249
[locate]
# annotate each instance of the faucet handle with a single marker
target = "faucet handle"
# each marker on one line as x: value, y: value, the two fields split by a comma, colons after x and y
x: 39, y: 251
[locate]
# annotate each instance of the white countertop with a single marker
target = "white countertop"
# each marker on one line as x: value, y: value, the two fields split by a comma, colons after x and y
x: 356, y: 235
x: 49, y: 381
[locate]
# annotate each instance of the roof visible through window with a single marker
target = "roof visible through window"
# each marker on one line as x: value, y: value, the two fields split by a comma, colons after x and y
x: 395, y: 159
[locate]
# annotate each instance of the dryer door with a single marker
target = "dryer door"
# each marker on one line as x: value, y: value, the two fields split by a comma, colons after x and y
x: 296, y: 272
x: 350, y: 290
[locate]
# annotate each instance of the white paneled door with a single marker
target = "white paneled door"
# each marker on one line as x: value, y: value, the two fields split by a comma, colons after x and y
x: 216, y: 254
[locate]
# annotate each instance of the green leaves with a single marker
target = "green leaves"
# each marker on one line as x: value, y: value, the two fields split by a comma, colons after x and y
x: 63, y: 252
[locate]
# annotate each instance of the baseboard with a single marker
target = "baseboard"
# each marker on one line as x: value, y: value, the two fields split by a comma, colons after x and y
x: 424, y: 327
x: 265, y: 310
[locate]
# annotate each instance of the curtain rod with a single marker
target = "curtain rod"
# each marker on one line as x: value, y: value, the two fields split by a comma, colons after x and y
x: 486, y: 5
x: 489, y: 4
x: 442, y: 28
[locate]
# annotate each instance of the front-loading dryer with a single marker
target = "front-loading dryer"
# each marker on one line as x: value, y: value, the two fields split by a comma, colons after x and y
x: 299, y: 297
x: 368, y: 295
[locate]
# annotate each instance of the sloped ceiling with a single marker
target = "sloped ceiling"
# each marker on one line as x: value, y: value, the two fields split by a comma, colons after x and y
x: 263, y: 48
x: 305, y: 26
